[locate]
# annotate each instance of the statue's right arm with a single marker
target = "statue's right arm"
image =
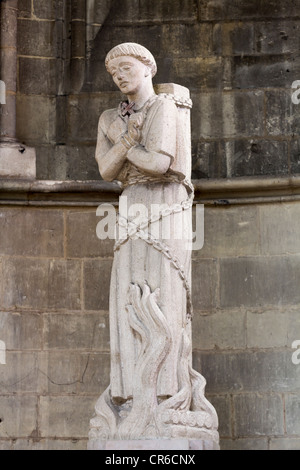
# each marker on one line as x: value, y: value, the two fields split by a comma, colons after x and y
x: 110, y: 157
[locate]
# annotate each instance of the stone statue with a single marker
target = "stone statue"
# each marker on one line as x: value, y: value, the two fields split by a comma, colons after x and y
x: 145, y: 145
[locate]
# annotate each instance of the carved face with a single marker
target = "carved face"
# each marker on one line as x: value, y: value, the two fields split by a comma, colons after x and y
x: 128, y: 73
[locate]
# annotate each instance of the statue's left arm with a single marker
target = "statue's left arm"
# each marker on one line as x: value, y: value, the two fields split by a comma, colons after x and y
x: 157, y: 149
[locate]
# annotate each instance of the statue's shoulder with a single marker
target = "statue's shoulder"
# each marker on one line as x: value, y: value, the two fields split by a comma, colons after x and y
x: 160, y: 104
x: 107, y: 117
x: 109, y: 114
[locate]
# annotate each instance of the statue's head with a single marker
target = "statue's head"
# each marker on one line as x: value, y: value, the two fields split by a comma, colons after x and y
x: 130, y: 64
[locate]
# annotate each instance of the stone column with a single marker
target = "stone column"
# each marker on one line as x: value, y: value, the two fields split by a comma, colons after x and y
x: 16, y: 160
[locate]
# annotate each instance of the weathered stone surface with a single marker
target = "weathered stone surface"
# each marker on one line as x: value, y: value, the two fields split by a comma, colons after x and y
x: 154, y: 444
x: 227, y: 115
x: 77, y: 45
x: 41, y: 283
x: 8, y: 123
x: 197, y: 73
x: 229, y: 231
x: 295, y: 156
x: 208, y: 159
x: 82, y: 240
x: 35, y: 127
x: 211, y: 10
x: 88, y: 331
x: 36, y: 38
x: 65, y: 416
x: 6, y: 444
x: 48, y: 9
x: 258, y: 414
x: 95, y: 369
x: 24, y: 8
x: 204, y: 284
x: 8, y: 25
x: 267, y: 329
x: 181, y: 36
x: 259, y: 281
x: 292, y: 409
x: 264, y: 71
x: 237, y: 39
x: 256, y: 158
x: 244, y: 444
x: 9, y: 65
x: 21, y: 331
x: 222, y: 404
x: 19, y: 416
x: 284, y: 443
x: 20, y: 373
x: 293, y: 326
x: 145, y: 12
x: 60, y: 372
x: 49, y: 444
x: 31, y: 232
x: 84, y: 111
x: 98, y: 11
x: 78, y: 9
x: 219, y: 331
x: 96, y: 275
x: 245, y: 371
x: 63, y: 162
x: 17, y: 161
x: 277, y: 37
x: 278, y: 225
x: 282, y: 117
x: 37, y: 76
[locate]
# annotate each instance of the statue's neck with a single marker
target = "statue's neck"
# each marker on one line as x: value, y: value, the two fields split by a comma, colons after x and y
x: 141, y: 97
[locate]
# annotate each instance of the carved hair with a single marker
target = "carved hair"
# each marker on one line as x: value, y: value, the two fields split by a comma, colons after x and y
x: 133, y: 50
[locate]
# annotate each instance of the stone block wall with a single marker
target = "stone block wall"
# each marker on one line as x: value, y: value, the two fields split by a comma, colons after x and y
x: 54, y: 322
x: 238, y: 59
x: 54, y: 285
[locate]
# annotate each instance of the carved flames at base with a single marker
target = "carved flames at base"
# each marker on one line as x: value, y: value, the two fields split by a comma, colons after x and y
x: 187, y: 414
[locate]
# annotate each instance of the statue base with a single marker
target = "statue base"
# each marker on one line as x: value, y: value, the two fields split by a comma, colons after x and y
x: 153, y: 444
x: 17, y: 160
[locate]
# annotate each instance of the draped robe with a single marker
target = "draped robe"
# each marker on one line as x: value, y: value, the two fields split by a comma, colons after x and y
x: 135, y: 261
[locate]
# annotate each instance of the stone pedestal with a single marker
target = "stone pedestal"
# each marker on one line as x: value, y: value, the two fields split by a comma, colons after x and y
x: 154, y: 444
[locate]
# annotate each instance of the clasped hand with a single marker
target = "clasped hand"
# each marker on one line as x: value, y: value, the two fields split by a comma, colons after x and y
x: 130, y: 126
x: 135, y: 124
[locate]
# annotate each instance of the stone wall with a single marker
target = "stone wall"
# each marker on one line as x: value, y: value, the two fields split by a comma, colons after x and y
x: 54, y: 284
x: 239, y: 60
